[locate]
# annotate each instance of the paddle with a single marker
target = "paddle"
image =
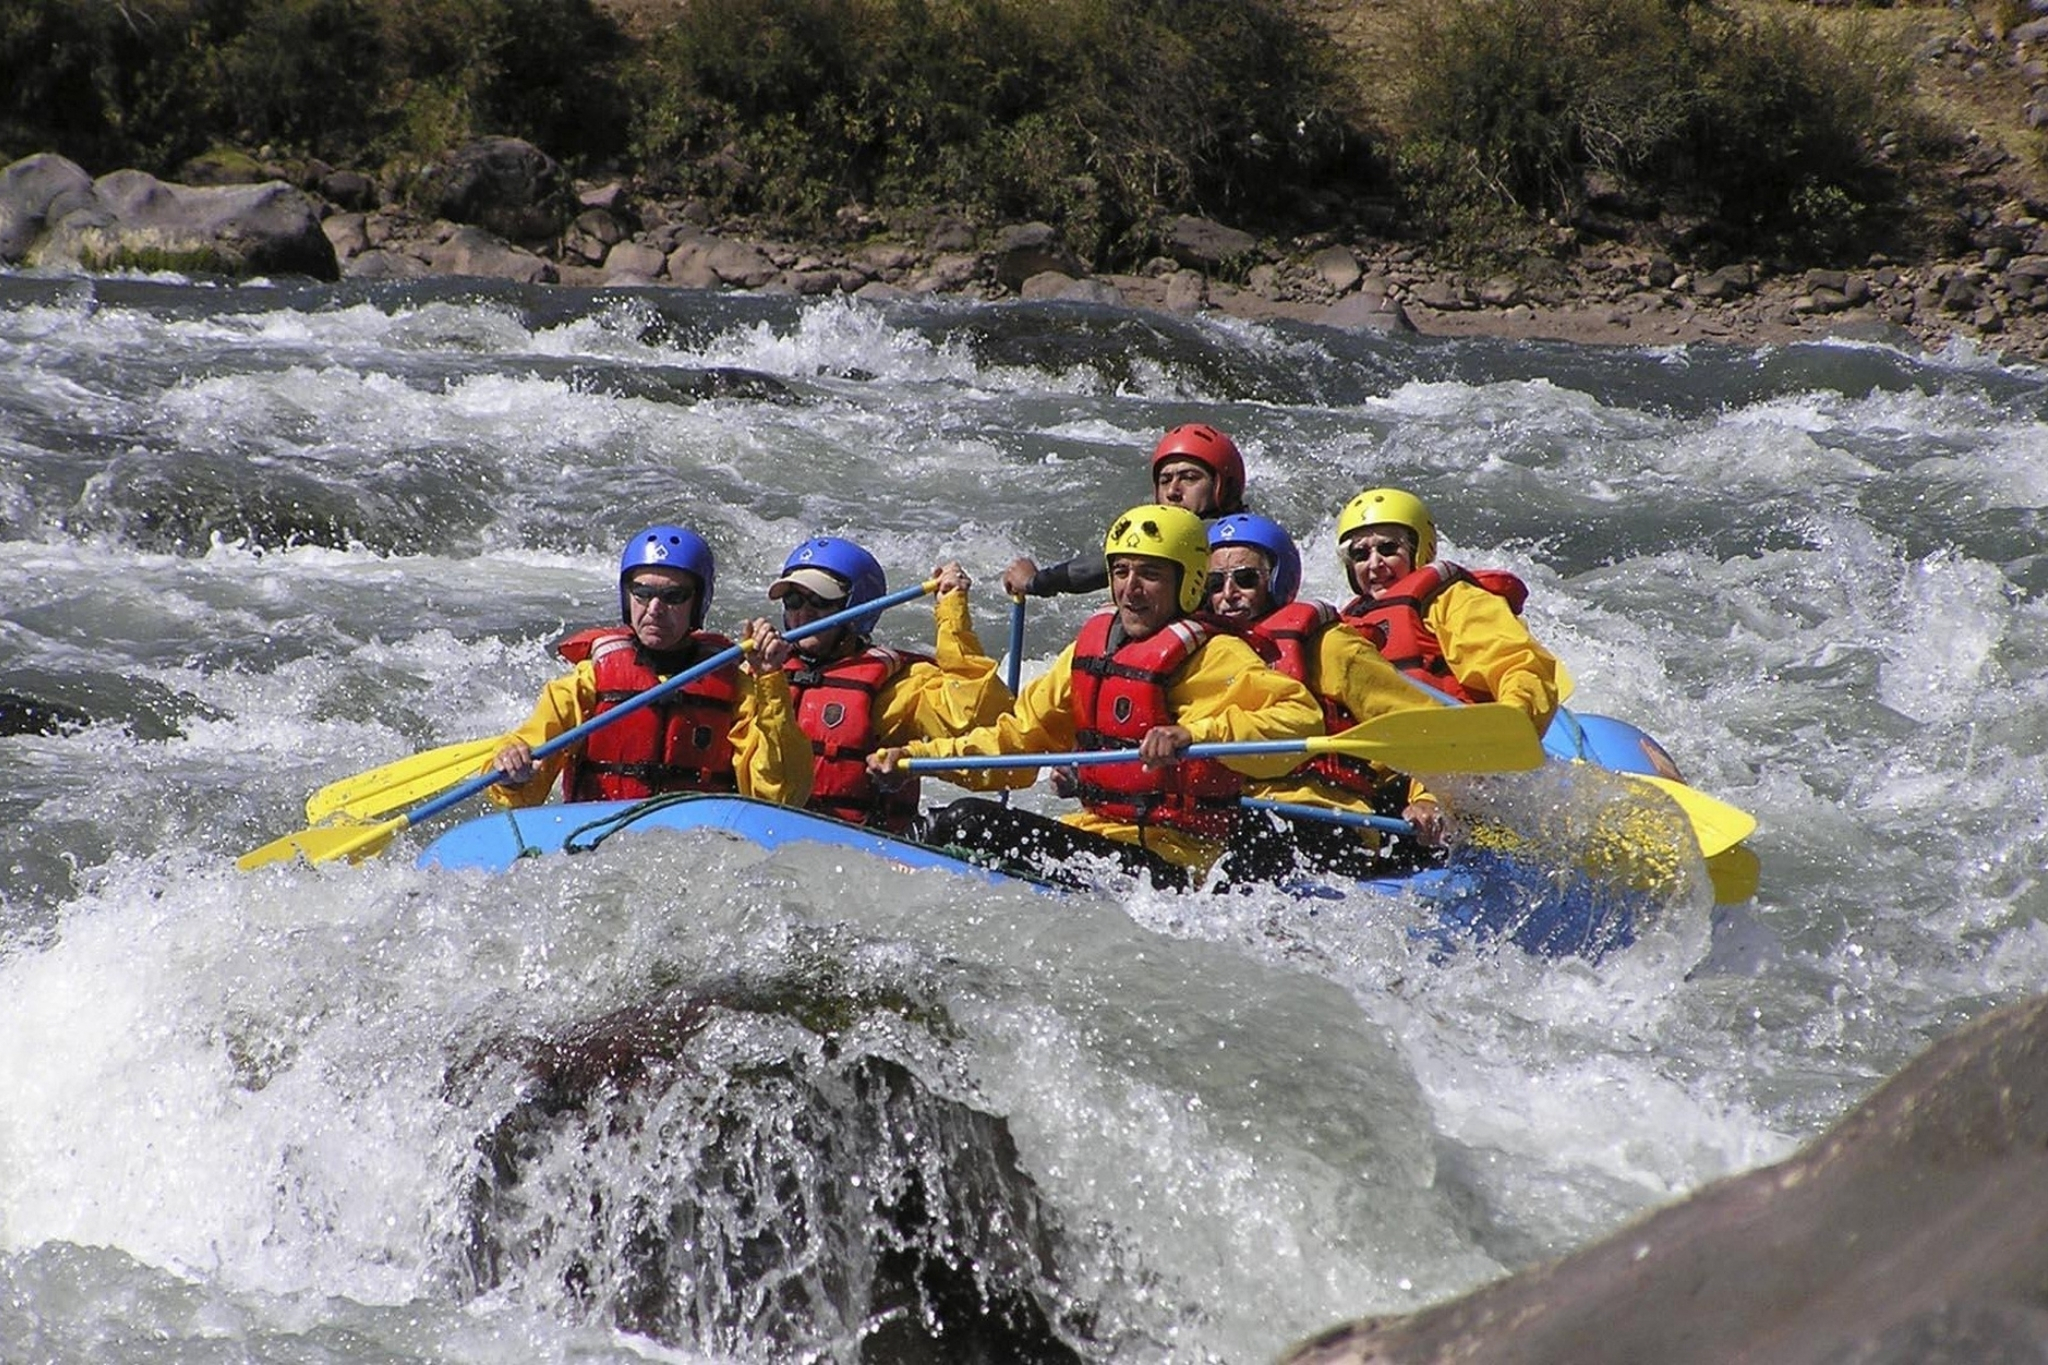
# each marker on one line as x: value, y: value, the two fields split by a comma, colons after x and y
x: 360, y: 841
x: 1493, y: 738
x: 1620, y: 748
x: 1716, y: 825
x: 397, y: 785
x: 1013, y: 676
x: 1386, y: 824
x: 1733, y: 872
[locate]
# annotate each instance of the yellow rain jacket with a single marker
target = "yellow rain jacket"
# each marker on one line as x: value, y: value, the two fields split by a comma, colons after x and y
x: 771, y: 756
x: 1345, y: 668
x: 1223, y: 694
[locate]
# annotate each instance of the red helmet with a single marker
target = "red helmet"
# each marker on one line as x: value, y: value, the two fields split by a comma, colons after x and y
x: 1212, y: 450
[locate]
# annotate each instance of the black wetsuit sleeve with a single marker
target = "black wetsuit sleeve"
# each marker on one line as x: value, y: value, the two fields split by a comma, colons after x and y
x: 1082, y: 573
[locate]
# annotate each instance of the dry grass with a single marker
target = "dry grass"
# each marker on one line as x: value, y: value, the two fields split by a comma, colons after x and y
x: 1989, y: 98
x: 1378, y: 34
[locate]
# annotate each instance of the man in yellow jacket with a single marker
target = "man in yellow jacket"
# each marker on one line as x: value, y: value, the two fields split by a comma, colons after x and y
x: 1150, y: 676
x: 733, y: 730
x: 1454, y: 629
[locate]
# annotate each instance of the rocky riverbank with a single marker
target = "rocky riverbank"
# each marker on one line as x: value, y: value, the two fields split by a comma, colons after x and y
x: 501, y: 209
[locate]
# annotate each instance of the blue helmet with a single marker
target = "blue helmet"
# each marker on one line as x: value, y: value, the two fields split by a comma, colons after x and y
x: 855, y: 574
x: 669, y: 547
x: 1269, y: 537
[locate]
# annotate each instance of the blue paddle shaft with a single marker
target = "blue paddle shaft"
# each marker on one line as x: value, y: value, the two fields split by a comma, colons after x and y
x: 1081, y: 758
x: 1357, y: 820
x: 1013, y: 677
x: 1016, y: 669
x: 574, y: 735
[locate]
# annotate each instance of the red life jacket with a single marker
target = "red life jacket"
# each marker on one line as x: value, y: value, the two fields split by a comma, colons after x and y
x: 681, y: 743
x: 1118, y: 696
x: 835, y: 706
x: 1290, y: 634
x: 1394, y: 622
x: 1294, y: 633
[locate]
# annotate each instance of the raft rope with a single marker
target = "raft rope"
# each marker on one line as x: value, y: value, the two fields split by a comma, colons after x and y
x: 526, y: 850
x: 607, y: 826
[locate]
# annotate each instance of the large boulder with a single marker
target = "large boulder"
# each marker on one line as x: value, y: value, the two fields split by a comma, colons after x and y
x: 1337, y: 267
x: 33, y: 191
x: 1368, y: 310
x: 1028, y: 249
x: 130, y: 220
x: 506, y: 186
x: 1909, y: 1234
x: 381, y: 263
x: 1203, y: 245
x: 1055, y: 285
x: 709, y: 1167
x: 704, y: 260
x: 472, y: 251
x: 24, y: 714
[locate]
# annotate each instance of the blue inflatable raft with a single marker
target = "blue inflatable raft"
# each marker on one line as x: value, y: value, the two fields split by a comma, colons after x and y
x: 1480, y: 897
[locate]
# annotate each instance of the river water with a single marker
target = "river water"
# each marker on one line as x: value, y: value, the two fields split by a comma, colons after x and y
x: 681, y: 1100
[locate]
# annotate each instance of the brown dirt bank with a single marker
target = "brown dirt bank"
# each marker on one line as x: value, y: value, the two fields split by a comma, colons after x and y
x: 1995, y: 299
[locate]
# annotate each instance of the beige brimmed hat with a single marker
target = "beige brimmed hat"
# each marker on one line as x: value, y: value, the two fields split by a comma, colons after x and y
x: 817, y: 582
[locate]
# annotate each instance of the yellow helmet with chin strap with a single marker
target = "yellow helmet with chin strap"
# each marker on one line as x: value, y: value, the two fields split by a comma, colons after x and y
x: 1388, y: 507
x: 1174, y: 534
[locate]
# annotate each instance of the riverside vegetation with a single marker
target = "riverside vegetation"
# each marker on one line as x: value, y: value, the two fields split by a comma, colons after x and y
x: 1572, y: 167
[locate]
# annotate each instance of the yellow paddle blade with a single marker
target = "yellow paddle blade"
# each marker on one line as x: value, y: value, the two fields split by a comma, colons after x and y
x: 395, y: 786
x: 325, y: 844
x: 1490, y: 738
x: 1716, y: 824
x: 1735, y: 873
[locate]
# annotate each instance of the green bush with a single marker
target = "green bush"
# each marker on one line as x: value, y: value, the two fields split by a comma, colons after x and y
x: 1791, y: 144
x: 105, y: 84
x: 1769, y: 130
x: 1089, y: 113
x: 1104, y: 117
x: 148, y: 83
x: 295, y: 73
x: 544, y: 70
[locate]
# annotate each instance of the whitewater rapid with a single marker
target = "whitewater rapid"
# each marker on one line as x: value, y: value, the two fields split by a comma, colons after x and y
x: 255, y: 539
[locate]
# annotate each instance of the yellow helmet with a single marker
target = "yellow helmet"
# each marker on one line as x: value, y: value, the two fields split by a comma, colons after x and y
x: 1388, y: 507
x: 1175, y: 534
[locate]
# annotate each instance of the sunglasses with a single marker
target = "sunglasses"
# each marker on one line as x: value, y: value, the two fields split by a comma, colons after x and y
x: 1385, y: 549
x: 668, y: 597
x: 1244, y: 578
x: 796, y: 599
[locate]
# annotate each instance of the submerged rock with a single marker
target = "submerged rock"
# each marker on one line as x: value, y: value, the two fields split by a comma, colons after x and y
x: 1910, y: 1233
x: 23, y: 714
x: 718, y: 1170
